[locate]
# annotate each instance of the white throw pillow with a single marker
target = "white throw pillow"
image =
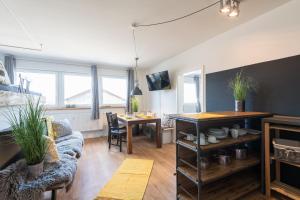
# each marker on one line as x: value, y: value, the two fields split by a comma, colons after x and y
x: 4, y: 79
x: 62, y: 128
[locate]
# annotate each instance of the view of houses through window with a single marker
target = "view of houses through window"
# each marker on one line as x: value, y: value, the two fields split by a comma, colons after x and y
x: 77, y: 90
x: 114, y: 90
x: 65, y: 89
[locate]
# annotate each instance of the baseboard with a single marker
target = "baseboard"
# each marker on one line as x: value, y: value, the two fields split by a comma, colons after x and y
x: 94, y: 134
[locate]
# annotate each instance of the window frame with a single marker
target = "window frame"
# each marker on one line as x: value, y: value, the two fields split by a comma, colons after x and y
x: 101, y: 89
x: 59, y: 86
x: 56, y: 74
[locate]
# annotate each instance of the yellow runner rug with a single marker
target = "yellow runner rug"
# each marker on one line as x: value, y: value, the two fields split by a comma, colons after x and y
x: 129, y: 182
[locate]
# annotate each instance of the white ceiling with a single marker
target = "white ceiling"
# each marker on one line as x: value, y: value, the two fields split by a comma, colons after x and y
x: 98, y: 31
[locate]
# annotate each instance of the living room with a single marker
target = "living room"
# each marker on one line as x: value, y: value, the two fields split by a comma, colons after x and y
x: 126, y: 109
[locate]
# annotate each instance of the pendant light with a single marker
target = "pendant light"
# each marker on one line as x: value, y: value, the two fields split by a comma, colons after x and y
x: 234, y: 11
x: 136, y: 90
x: 225, y: 6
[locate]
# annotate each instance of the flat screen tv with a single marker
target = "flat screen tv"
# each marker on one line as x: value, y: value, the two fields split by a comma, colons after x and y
x: 158, y: 81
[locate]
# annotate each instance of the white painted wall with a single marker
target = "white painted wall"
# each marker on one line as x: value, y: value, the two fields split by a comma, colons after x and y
x: 274, y: 35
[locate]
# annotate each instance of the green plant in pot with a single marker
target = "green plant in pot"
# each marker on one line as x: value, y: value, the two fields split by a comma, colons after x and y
x: 28, y: 129
x: 241, y: 85
x: 134, y: 104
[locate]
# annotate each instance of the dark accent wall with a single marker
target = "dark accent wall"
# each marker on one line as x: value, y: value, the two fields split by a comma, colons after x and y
x: 278, y: 92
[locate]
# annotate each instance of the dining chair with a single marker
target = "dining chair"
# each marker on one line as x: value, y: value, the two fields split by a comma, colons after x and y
x: 115, y: 131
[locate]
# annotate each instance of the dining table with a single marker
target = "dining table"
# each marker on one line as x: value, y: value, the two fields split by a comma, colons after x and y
x: 130, y: 121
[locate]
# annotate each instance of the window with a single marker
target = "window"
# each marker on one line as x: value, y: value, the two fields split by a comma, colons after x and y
x: 189, y: 93
x: 77, y: 90
x: 114, y: 90
x: 44, y: 83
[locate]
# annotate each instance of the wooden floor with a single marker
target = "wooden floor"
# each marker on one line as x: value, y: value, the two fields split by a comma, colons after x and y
x: 98, y: 164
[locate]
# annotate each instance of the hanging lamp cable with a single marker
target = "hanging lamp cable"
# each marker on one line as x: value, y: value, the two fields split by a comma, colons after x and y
x: 135, y: 25
x: 136, y: 55
x: 134, y: 43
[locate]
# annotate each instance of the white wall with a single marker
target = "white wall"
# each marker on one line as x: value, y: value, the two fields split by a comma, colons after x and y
x: 274, y: 35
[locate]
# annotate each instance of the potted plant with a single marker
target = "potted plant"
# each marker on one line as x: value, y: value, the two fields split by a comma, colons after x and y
x: 241, y: 86
x: 28, y: 128
x: 134, y: 104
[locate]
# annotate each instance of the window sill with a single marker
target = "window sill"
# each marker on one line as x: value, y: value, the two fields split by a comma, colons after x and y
x: 83, y: 108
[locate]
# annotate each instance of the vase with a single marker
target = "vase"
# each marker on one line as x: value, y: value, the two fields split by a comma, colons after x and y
x: 36, y: 169
x: 239, y: 106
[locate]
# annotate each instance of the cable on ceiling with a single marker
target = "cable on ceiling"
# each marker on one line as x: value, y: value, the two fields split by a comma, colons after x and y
x: 23, y: 28
x: 136, y: 25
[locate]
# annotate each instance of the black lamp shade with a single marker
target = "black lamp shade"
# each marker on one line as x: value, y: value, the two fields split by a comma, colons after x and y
x: 136, y: 91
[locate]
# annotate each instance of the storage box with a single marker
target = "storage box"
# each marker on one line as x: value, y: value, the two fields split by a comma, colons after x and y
x: 287, y: 150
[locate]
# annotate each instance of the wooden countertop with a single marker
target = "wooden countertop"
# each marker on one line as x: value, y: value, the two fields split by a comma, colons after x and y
x: 286, y: 120
x: 220, y: 115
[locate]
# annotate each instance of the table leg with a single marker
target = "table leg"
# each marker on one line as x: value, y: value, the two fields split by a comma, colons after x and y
x: 158, y: 134
x: 129, y: 139
x: 53, y: 195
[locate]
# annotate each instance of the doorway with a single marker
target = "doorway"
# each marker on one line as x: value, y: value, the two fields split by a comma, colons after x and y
x: 191, y: 92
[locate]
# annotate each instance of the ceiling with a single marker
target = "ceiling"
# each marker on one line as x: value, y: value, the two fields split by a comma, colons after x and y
x: 98, y: 31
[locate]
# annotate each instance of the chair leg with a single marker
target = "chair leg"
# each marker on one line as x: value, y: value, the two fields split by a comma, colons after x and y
x: 120, y: 136
x: 109, y: 141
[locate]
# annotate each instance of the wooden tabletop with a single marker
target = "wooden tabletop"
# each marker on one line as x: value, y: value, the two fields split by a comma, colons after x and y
x: 220, y: 115
x: 137, y: 119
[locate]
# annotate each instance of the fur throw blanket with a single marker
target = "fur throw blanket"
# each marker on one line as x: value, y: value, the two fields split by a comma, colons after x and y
x: 15, y: 186
x: 71, y: 144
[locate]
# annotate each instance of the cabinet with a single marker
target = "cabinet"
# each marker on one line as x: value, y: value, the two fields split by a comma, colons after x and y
x: 278, y: 125
x: 228, y: 182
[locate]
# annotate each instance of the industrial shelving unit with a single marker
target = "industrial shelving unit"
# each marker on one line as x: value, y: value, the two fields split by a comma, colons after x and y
x: 218, y: 181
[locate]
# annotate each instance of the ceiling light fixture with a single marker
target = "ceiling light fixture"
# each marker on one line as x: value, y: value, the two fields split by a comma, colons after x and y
x: 225, y: 6
x: 136, y: 90
x: 235, y: 10
x: 230, y: 7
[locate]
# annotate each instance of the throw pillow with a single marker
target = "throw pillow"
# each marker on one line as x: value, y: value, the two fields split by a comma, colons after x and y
x: 4, y: 79
x: 62, y: 128
x: 52, y: 153
x: 166, y: 121
x: 50, y: 131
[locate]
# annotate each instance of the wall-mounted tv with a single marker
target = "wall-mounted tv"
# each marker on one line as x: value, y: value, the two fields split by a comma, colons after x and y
x: 158, y: 81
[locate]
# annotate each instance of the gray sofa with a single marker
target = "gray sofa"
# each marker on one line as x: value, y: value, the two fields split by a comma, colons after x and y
x: 15, y: 185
